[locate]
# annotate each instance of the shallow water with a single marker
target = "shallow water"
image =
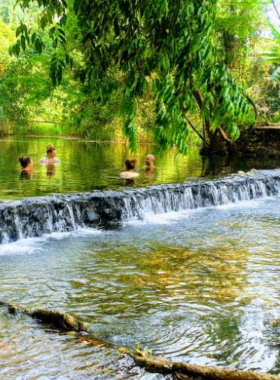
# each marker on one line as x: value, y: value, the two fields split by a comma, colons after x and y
x: 200, y: 286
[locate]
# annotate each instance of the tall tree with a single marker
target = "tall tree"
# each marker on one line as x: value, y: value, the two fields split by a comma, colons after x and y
x: 171, y: 47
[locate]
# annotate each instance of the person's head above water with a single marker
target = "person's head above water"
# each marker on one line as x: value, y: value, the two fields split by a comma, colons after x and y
x: 50, y: 157
x: 130, y: 164
x: 51, y: 151
x: 26, y: 162
x: 149, y: 160
x: 129, y: 169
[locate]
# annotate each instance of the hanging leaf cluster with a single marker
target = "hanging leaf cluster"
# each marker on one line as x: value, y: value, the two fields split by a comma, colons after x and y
x: 169, y: 47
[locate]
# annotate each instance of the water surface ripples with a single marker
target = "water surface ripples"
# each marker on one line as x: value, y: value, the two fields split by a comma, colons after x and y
x: 202, y: 287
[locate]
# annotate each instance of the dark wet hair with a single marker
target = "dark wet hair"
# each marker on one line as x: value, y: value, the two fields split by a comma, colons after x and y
x: 130, y: 163
x: 24, y: 161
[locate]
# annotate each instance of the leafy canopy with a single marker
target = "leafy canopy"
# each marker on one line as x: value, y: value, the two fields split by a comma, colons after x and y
x: 169, y: 47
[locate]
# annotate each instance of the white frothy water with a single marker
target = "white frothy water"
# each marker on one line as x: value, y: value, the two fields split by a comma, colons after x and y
x: 175, y: 216
x: 30, y: 245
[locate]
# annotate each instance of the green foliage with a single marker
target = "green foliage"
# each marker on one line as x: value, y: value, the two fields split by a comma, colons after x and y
x: 173, y: 45
x: 18, y: 96
x: 273, y: 55
x: 241, y: 19
x: 156, y: 64
x: 7, y: 38
x: 38, y: 129
x: 265, y: 77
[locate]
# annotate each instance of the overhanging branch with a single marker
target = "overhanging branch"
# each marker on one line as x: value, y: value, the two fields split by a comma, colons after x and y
x: 194, y: 129
x: 224, y: 136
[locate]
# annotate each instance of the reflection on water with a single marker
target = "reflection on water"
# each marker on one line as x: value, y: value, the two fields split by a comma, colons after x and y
x: 51, y: 170
x: 86, y: 166
x: 200, y: 286
x: 25, y: 175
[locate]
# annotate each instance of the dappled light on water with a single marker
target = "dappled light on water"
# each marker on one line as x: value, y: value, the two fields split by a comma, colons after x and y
x: 202, y: 288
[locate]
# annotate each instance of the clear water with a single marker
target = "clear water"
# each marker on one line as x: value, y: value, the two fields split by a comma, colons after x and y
x: 200, y: 286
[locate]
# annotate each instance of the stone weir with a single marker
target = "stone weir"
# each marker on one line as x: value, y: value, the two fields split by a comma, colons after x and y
x: 33, y: 217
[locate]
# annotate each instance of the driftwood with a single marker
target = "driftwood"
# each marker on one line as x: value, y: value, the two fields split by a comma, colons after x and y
x: 62, y: 321
x: 181, y: 370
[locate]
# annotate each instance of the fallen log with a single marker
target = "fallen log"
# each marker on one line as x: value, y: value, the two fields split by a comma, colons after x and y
x: 182, y: 370
x: 62, y: 321
x: 179, y: 370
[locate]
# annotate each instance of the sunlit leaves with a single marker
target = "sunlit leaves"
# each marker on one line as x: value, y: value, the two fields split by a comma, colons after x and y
x: 273, y: 55
x: 56, y: 69
x: 173, y: 44
x: 2, y: 114
x: 130, y: 127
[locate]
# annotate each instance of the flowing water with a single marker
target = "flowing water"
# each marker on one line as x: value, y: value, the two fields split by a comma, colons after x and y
x: 196, y: 282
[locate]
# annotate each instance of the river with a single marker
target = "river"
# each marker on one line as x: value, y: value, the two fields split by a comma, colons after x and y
x: 198, y: 285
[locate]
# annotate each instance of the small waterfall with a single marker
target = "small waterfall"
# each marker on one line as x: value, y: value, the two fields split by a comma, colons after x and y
x: 32, y: 217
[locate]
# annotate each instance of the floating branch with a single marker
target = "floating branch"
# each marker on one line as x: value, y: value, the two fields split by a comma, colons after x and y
x: 62, y: 321
x: 181, y: 370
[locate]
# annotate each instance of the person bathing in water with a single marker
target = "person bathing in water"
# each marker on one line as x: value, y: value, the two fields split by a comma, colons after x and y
x: 50, y: 158
x: 149, y: 161
x: 26, y: 163
x: 129, y: 169
x: 149, y: 168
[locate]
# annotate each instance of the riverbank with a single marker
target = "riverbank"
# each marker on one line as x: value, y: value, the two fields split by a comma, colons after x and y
x: 251, y: 143
x: 259, y: 143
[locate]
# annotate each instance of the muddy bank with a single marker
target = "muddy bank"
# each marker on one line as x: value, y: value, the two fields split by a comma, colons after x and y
x: 251, y: 143
x: 259, y: 142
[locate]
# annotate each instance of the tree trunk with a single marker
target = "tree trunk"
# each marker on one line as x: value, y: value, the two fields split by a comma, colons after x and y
x: 199, y: 99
